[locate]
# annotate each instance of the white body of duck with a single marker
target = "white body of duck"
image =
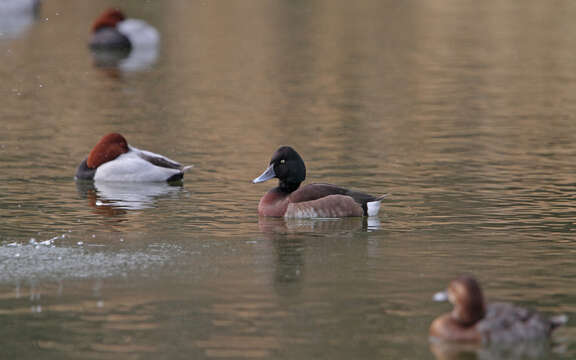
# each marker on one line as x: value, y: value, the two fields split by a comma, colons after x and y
x: 16, y: 16
x: 140, y: 33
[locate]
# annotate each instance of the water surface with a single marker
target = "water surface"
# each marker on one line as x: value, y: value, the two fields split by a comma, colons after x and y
x: 463, y: 110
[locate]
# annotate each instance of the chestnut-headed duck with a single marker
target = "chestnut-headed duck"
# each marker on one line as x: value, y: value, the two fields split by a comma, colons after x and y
x: 112, y: 30
x: 112, y: 159
x: 289, y: 200
x: 473, y: 321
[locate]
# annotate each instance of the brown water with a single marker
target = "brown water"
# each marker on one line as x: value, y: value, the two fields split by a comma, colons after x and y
x: 463, y: 110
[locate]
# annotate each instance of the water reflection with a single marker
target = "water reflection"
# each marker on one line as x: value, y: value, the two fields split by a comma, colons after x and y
x: 125, y: 60
x: 288, y: 237
x: 38, y: 303
x: 290, y: 264
x: 270, y: 225
x: 115, y: 198
x: 522, y: 350
x: 410, y: 96
x: 16, y: 16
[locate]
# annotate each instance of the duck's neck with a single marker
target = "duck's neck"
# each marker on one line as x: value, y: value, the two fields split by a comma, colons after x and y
x: 470, y: 313
x: 287, y: 187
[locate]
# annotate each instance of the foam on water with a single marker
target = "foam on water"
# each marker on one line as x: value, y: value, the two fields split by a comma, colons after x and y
x: 45, y: 260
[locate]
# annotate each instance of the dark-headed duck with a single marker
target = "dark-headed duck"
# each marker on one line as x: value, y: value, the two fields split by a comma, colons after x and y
x: 290, y: 200
x: 473, y: 321
x: 112, y: 159
x: 112, y: 30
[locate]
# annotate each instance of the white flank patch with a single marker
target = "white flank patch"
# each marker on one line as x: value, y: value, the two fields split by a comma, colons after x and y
x: 303, y: 213
x: 373, y: 207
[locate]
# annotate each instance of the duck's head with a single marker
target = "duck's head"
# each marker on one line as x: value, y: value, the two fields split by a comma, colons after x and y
x: 108, y: 148
x: 466, y: 296
x: 109, y: 18
x: 286, y: 165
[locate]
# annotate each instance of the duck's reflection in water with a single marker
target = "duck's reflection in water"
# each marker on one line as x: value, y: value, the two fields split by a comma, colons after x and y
x: 125, y: 60
x: 290, y: 263
x: 270, y: 225
x: 289, y: 239
x: 508, y: 351
x: 117, y: 198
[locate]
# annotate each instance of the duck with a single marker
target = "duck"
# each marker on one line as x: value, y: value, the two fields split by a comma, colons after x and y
x: 14, y: 7
x: 16, y: 16
x: 113, y: 31
x: 112, y: 159
x: 318, y: 200
x: 474, y: 321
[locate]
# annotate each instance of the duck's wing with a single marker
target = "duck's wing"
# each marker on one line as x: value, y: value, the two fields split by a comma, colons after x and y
x: 316, y: 191
x: 157, y: 159
x: 505, y: 323
x: 369, y: 203
x: 331, y: 206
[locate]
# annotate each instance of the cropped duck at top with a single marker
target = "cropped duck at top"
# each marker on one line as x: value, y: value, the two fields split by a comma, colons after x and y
x: 16, y: 16
x: 473, y: 321
x: 290, y: 200
x: 112, y: 159
x: 112, y: 30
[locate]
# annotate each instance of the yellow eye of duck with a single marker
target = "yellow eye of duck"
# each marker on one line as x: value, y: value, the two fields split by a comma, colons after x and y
x: 282, y: 161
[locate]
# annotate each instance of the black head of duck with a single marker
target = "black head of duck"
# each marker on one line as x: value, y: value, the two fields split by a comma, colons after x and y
x: 288, y: 167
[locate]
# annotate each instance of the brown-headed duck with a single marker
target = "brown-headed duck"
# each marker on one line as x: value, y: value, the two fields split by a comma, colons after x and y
x: 290, y: 200
x: 473, y: 321
x: 112, y: 159
x: 112, y: 30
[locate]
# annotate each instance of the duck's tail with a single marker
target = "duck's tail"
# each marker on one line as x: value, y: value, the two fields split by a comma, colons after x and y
x: 379, y: 198
x: 374, y: 206
x: 186, y: 168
